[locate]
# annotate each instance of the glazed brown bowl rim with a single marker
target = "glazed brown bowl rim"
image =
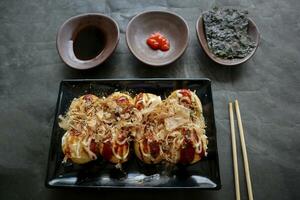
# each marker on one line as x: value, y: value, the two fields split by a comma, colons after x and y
x: 181, y: 52
x: 95, y: 59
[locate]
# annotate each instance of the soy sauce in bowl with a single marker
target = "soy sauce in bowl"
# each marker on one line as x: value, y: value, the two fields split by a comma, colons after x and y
x: 88, y: 43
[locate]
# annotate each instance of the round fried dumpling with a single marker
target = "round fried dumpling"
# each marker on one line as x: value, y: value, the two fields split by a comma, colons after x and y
x: 146, y: 102
x: 189, y: 100
x: 81, y: 113
x: 119, y: 106
x: 121, y: 99
x: 185, y: 145
x: 115, y: 147
x: 147, y: 145
x: 78, y: 147
x: 83, y: 103
x: 117, y: 113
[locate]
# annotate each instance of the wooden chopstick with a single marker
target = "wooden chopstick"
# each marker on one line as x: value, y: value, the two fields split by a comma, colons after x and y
x: 234, y: 154
x: 244, y: 150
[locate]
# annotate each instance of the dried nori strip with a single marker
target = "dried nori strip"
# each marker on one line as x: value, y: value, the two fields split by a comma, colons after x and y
x: 226, y: 33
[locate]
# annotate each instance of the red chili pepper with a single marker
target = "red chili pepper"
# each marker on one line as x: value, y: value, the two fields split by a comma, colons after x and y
x: 153, y: 43
x: 158, y: 41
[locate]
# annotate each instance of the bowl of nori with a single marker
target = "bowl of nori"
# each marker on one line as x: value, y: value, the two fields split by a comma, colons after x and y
x: 251, y: 31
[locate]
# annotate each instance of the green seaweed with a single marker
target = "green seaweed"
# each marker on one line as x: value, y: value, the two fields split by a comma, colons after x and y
x: 227, y: 33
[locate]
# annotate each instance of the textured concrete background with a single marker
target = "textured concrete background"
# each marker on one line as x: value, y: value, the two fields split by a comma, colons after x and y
x: 267, y: 87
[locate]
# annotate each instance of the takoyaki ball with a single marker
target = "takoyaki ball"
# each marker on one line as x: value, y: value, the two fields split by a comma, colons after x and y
x: 146, y: 102
x: 188, y: 99
x: 116, y: 146
x: 119, y: 105
x: 81, y: 111
x: 186, y: 145
x: 79, y: 147
x: 83, y: 103
x: 148, y: 147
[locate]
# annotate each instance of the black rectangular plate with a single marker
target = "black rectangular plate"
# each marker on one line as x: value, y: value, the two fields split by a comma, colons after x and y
x: 101, y: 174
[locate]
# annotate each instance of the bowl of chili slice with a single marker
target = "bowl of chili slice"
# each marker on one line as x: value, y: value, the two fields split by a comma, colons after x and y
x: 157, y: 38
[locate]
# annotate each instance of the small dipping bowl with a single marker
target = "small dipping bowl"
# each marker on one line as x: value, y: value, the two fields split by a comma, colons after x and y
x: 252, y: 32
x: 85, y: 41
x: 169, y: 24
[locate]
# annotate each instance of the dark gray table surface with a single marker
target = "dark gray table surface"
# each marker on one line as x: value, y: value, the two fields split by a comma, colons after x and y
x: 267, y: 87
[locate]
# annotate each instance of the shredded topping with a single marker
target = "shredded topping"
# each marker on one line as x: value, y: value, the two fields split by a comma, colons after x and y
x: 162, y: 128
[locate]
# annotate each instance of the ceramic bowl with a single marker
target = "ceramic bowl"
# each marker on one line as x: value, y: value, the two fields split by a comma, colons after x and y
x: 169, y: 24
x: 85, y: 41
x: 252, y: 32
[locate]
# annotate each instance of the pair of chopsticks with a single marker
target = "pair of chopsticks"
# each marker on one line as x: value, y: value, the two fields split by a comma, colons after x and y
x: 244, y: 151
